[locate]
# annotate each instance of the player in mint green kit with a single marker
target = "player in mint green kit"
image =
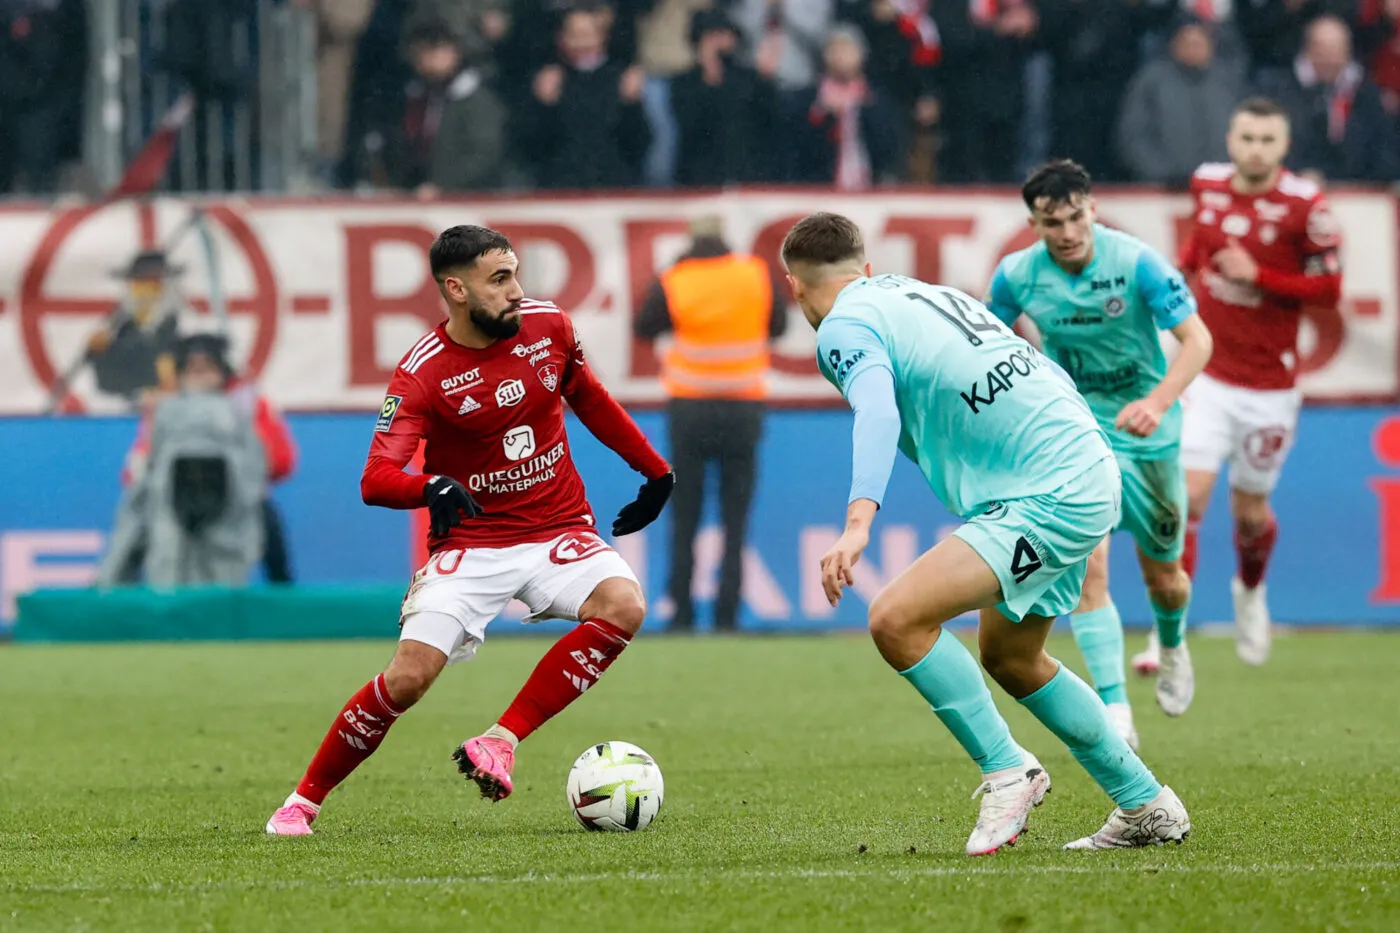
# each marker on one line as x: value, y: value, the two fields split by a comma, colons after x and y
x: 1099, y: 298
x: 1007, y: 444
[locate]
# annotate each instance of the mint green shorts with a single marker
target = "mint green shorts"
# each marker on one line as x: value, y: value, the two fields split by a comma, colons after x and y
x: 1039, y: 546
x: 1154, y: 505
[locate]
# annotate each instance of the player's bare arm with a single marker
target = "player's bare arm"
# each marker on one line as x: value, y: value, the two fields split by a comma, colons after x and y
x: 1143, y: 416
x: 845, y: 553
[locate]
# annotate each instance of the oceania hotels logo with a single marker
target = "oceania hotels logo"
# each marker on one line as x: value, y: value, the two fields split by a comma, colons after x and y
x: 523, y: 350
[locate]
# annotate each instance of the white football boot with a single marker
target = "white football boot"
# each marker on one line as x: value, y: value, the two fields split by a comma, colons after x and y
x: 1176, y: 680
x: 1161, y: 821
x: 1252, y: 623
x: 1008, y: 796
x: 1121, y: 715
x: 1149, y: 659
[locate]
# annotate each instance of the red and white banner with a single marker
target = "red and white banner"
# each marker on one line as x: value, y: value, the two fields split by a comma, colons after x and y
x: 325, y: 296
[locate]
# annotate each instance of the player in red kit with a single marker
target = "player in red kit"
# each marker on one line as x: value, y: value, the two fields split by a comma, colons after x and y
x: 1264, y: 245
x: 485, y: 390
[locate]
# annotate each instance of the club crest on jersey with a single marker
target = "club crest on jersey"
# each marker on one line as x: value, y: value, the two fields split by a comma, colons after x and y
x: 519, y: 442
x: 1114, y: 307
x: 469, y: 405
x: 549, y: 375
x: 387, y: 412
x: 509, y: 393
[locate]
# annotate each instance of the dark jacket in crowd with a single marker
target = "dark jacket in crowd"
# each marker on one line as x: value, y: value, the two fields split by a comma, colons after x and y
x: 452, y: 137
x: 725, y: 129
x: 1175, y: 118
x: 1368, y: 149
x: 591, y: 138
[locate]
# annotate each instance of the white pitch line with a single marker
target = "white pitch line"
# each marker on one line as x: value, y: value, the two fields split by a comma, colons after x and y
x: 796, y: 874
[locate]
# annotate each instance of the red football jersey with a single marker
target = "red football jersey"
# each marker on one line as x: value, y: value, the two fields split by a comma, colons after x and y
x: 1291, y: 234
x: 493, y: 419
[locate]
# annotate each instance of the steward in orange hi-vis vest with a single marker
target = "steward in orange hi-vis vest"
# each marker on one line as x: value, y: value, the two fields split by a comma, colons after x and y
x: 718, y: 307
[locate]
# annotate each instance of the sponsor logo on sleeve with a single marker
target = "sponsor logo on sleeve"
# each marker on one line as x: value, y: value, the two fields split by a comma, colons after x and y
x: 387, y: 411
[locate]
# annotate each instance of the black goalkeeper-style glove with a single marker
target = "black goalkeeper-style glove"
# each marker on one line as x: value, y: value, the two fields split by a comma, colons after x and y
x: 449, y: 504
x: 642, y: 511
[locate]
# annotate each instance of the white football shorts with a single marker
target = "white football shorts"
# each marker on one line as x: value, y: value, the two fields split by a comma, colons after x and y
x: 1251, y: 429
x: 457, y: 593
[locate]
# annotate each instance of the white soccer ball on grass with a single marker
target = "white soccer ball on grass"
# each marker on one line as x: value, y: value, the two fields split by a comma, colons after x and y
x: 615, y: 787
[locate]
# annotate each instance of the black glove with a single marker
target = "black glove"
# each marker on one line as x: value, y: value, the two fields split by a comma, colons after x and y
x: 642, y: 511
x: 449, y: 504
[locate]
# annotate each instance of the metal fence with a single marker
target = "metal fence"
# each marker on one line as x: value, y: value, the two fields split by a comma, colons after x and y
x: 250, y: 66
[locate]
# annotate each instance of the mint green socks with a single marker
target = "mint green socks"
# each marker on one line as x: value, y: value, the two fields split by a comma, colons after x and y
x: 1171, y: 624
x: 951, y: 681
x: 1099, y: 635
x: 1069, y: 709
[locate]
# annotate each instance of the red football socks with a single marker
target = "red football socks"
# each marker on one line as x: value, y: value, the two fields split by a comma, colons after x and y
x: 1188, y: 550
x: 1254, y: 552
x: 568, y: 669
x: 353, y: 737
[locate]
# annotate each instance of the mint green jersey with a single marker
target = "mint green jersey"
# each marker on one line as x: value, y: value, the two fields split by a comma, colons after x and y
x: 985, y: 415
x: 1102, y: 325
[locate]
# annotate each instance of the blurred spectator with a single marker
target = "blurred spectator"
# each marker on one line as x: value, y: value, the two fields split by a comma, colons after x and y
x: 1178, y: 109
x: 195, y: 514
x: 450, y: 133
x: 1219, y: 16
x: 853, y: 131
x: 724, y: 111
x: 201, y: 53
x: 786, y: 37
x: 533, y: 39
x: 339, y: 24
x: 666, y: 49
x: 1378, y: 47
x: 132, y: 355
x: 43, y: 70
x: 1094, y: 47
x: 376, y: 85
x: 585, y: 127
x: 1273, y: 29
x: 905, y: 49
x: 1340, y: 127
x: 721, y: 309
x: 478, y: 25
x: 985, y: 47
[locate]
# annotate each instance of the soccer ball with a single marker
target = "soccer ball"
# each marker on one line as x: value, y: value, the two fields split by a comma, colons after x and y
x: 615, y: 787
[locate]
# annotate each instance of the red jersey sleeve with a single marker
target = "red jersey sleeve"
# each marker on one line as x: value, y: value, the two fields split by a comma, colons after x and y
x: 401, y: 425
x: 603, y: 416
x: 276, y: 437
x: 1320, y: 282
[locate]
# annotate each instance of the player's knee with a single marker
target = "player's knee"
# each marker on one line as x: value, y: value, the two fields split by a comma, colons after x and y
x: 629, y: 614
x: 622, y: 605
x: 1168, y: 585
x: 407, y: 683
x: 888, y: 625
x: 1007, y: 666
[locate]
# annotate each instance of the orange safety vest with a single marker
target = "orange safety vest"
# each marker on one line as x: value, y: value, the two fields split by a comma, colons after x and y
x: 720, y: 307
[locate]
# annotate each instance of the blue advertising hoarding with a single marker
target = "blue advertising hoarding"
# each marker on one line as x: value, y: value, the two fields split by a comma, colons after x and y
x: 1337, y: 561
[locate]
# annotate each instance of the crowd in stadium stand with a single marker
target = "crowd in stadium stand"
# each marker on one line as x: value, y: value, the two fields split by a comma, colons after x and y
x: 457, y: 95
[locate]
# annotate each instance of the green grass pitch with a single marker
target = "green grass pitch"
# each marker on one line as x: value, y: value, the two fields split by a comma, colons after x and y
x: 808, y: 788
